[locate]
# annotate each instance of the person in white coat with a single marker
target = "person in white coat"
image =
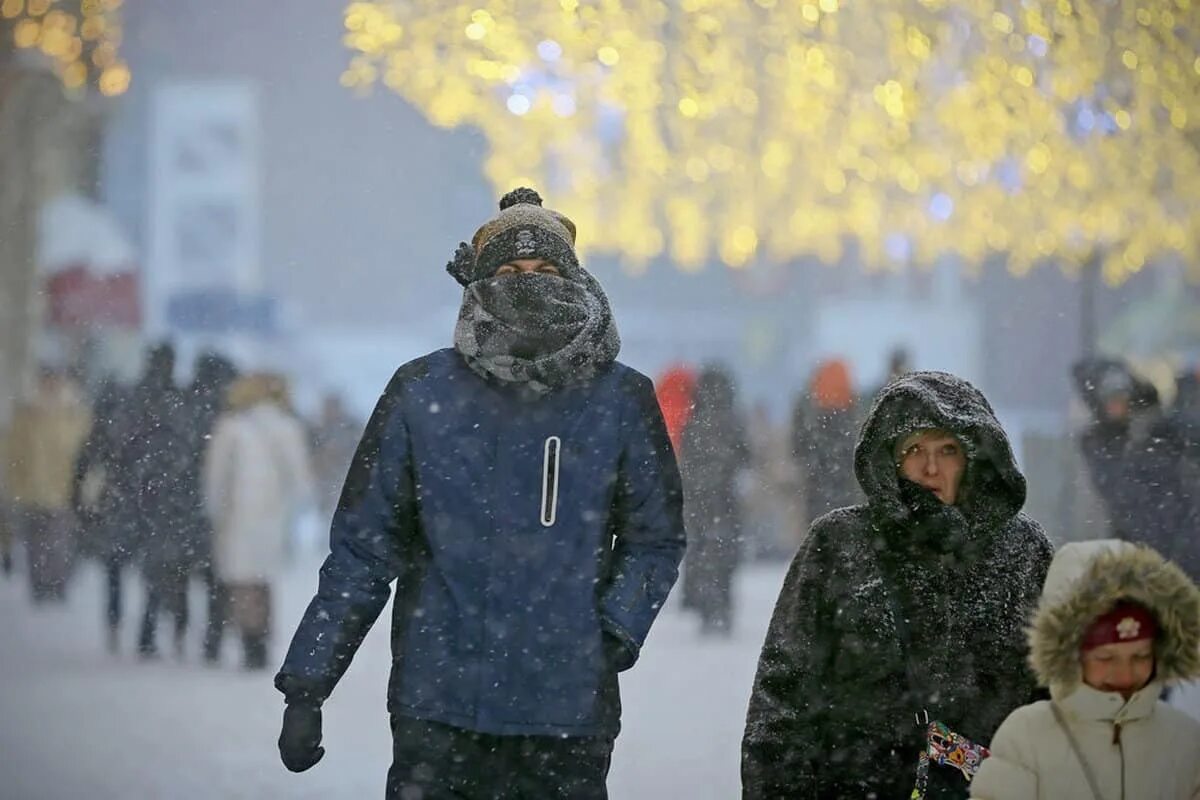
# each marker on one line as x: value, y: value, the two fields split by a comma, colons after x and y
x: 257, y: 475
x: 1116, y: 624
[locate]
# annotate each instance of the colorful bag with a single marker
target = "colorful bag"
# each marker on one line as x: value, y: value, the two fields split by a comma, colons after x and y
x: 946, y: 748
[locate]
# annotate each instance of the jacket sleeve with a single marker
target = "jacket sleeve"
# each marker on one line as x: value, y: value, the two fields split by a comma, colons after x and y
x: 781, y: 747
x: 648, y: 527
x: 1010, y: 772
x: 374, y: 520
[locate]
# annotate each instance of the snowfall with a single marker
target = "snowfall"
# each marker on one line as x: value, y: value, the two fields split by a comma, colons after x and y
x: 77, y: 722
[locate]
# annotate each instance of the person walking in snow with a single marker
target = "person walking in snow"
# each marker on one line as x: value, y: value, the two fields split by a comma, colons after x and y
x: 47, y: 433
x: 257, y: 473
x: 158, y: 458
x: 900, y: 618
x: 1116, y: 624
x: 824, y: 421
x: 521, y: 490
x: 713, y: 456
x: 203, y: 401
x: 105, y: 500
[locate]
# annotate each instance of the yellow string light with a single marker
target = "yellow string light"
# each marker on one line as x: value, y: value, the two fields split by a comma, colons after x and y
x: 80, y: 40
x: 1047, y: 129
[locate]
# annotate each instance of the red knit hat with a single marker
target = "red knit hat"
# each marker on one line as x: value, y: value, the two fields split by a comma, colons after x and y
x: 1126, y: 622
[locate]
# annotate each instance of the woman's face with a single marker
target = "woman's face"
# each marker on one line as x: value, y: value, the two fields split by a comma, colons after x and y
x: 933, y: 460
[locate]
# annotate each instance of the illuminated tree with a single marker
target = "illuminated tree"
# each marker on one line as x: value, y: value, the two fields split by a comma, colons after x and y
x: 1047, y: 130
x: 81, y: 38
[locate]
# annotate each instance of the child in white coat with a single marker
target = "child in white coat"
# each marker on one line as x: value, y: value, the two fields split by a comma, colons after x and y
x: 1116, y: 624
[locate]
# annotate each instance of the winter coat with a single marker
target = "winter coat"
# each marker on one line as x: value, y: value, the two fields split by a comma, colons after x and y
x: 824, y: 423
x: 839, y: 681
x: 1148, y: 483
x: 533, y: 538
x: 45, y: 437
x: 202, y: 404
x: 257, y: 475
x: 714, y: 452
x: 1141, y: 748
x: 159, y: 457
x: 103, y: 493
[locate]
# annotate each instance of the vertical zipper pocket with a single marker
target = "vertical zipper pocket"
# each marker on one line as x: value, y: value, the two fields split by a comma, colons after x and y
x: 550, y: 465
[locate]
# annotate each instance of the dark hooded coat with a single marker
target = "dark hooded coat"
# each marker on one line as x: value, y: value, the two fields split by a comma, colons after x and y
x: 839, y: 681
x: 1144, y: 467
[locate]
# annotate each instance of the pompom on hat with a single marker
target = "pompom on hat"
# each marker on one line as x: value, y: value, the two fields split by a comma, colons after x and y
x: 522, y: 229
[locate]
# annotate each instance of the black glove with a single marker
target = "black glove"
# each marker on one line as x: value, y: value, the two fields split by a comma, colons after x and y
x: 619, y: 655
x: 300, y: 739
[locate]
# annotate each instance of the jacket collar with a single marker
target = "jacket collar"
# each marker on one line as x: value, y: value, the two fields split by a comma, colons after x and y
x: 1093, y: 705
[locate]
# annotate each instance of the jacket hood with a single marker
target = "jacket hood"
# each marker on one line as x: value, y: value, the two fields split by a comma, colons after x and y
x: 1086, y: 579
x: 993, y: 489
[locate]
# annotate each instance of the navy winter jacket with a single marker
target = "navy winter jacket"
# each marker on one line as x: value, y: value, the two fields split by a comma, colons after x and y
x: 533, y: 541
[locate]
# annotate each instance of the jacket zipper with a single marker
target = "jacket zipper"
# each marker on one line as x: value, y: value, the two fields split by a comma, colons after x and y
x: 1121, y: 752
x: 550, y: 470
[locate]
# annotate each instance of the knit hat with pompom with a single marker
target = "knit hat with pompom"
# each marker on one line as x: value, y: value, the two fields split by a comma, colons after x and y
x: 522, y: 229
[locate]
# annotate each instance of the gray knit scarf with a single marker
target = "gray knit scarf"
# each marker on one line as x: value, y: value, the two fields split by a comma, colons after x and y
x: 541, y: 331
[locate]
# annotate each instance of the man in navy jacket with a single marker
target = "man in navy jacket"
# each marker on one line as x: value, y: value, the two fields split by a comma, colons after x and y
x: 521, y: 490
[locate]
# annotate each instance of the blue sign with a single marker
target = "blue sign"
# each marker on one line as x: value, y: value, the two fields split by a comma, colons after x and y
x: 221, y: 311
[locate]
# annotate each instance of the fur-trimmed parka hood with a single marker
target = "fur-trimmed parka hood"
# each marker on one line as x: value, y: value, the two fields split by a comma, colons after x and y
x: 1086, y: 579
x: 993, y: 488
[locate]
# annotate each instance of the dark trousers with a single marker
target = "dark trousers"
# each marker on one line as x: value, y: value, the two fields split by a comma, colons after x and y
x: 218, y: 605
x: 50, y: 550
x: 166, y: 590
x: 112, y: 569
x: 433, y: 761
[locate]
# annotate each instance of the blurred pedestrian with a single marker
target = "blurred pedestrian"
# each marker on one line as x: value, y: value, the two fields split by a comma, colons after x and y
x: 105, y: 499
x: 159, y: 455
x: 46, y: 435
x: 824, y: 424
x: 334, y: 437
x: 675, y: 390
x: 714, y: 458
x: 203, y: 401
x: 257, y: 474
x: 1138, y: 459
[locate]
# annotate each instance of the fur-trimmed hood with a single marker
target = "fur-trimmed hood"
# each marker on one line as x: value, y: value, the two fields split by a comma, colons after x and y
x: 993, y: 488
x: 1086, y: 579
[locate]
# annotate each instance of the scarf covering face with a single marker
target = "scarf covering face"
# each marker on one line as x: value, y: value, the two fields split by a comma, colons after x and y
x: 543, y: 332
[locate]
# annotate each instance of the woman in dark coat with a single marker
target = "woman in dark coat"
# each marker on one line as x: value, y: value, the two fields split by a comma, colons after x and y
x: 714, y: 451
x: 914, y: 602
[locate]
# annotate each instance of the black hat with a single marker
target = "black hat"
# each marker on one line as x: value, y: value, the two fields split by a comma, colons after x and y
x: 522, y: 229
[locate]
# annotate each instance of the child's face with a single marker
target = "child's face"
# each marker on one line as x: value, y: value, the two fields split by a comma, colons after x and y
x: 1123, y: 667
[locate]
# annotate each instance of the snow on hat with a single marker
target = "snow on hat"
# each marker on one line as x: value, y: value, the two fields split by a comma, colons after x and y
x: 1126, y: 622
x: 522, y: 229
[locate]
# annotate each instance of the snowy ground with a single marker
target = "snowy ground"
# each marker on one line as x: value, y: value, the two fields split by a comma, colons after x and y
x: 75, y: 722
